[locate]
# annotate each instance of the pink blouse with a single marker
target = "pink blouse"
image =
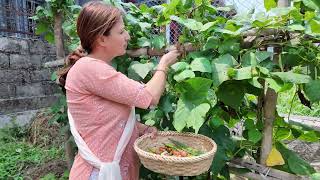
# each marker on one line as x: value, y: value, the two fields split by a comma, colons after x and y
x: 99, y: 99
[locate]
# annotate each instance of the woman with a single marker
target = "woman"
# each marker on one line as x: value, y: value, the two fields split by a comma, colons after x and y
x: 101, y: 100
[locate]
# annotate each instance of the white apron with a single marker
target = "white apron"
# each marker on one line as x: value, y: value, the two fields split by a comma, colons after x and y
x: 108, y: 170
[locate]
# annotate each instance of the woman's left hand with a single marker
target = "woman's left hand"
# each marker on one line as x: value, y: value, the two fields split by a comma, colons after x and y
x: 144, y: 129
x: 152, y: 130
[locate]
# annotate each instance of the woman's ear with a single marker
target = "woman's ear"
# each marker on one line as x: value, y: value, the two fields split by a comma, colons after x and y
x: 102, y: 41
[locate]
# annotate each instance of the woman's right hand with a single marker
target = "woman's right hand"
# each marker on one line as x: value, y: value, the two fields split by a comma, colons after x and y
x: 169, y: 58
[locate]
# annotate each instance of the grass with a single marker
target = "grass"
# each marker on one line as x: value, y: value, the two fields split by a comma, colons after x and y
x: 17, y: 154
x: 285, y: 103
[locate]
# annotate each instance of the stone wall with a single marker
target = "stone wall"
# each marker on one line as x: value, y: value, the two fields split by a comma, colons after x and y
x: 24, y: 83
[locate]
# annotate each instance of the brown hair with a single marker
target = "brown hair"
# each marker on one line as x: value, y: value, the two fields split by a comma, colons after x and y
x: 95, y: 19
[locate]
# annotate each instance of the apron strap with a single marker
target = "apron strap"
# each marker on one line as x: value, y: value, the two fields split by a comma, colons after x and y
x: 110, y: 170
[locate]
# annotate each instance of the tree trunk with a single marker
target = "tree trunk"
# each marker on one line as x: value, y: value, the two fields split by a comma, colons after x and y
x: 269, y: 109
x: 58, y: 35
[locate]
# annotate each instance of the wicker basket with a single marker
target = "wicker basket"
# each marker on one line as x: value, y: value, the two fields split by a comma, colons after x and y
x: 176, y: 166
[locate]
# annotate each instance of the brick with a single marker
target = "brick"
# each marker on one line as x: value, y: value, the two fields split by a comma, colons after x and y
x: 40, y: 75
x: 4, y: 61
x: 26, y: 103
x: 7, y: 90
x: 50, y: 88
x: 18, y: 61
x: 12, y: 45
x: 14, y: 76
x: 37, y: 47
x: 34, y: 89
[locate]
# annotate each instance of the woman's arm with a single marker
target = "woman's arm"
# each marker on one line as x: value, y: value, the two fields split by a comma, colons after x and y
x: 157, y: 83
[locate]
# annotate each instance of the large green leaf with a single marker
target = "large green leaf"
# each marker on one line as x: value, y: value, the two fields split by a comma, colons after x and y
x: 189, y: 115
x: 208, y: 25
x: 179, y: 66
x: 158, y: 42
x: 315, y: 26
x: 254, y: 135
x: 231, y: 93
x: 296, y: 164
x: 141, y: 69
x: 273, y: 84
x: 310, y: 136
x: 226, y: 59
x: 165, y: 103
x: 201, y: 64
x: 195, y: 89
x: 219, y: 73
x: 312, y: 90
x: 243, y: 73
x: 249, y: 59
x: 144, y: 42
x: 263, y: 55
x: 184, y: 75
x: 189, y: 23
x: 212, y: 43
x: 282, y: 134
x: 268, y: 4
x: 313, y: 4
x: 291, y: 77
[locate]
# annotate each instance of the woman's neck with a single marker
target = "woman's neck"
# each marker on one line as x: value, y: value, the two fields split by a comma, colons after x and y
x: 101, y: 56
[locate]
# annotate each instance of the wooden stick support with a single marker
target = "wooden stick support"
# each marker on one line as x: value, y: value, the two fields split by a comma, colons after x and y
x: 261, y: 172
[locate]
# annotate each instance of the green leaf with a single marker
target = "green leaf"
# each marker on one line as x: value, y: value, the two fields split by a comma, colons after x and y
x: 158, y: 42
x: 269, y: 4
x: 150, y: 122
x: 197, y: 117
x: 49, y: 37
x: 190, y: 115
x: 226, y: 59
x: 273, y: 84
x: 208, y: 25
x: 243, y: 73
x: 195, y: 89
x: 165, y: 103
x: 219, y: 73
x: 231, y: 93
x: 310, y: 136
x: 249, y: 124
x: 313, y: 4
x: 201, y: 64
x: 309, y: 15
x: 189, y: 23
x: 263, y: 55
x: 144, y: 42
x: 291, y: 77
x: 212, y: 43
x: 315, y: 176
x: 215, y: 122
x: 296, y: 27
x: 212, y: 98
x: 54, y: 76
x: 315, y: 26
x: 282, y: 134
x: 254, y: 82
x: 249, y: 59
x: 41, y: 28
x: 144, y: 26
x: 254, y: 135
x: 141, y: 69
x: 295, y: 163
x: 184, y: 75
x: 312, y: 90
x: 179, y: 66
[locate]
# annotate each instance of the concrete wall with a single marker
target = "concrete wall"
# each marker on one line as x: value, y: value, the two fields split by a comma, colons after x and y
x: 24, y: 83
